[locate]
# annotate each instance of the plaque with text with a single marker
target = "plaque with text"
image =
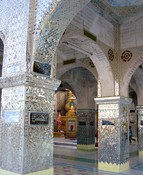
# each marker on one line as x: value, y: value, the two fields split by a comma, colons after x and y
x: 39, y: 118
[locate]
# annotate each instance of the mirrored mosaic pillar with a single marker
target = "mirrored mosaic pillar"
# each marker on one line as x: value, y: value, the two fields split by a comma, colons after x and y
x: 140, y: 129
x: 27, y: 125
x: 86, y: 129
x: 113, y: 139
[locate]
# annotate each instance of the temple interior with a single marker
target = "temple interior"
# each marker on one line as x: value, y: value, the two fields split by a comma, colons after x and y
x: 71, y: 87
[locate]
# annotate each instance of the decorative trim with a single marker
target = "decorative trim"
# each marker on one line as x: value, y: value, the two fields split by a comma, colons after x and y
x: 114, y: 99
x: 139, y: 108
x: 33, y: 80
x: 86, y: 147
x: 141, y: 154
x: 113, y: 167
x: 43, y: 172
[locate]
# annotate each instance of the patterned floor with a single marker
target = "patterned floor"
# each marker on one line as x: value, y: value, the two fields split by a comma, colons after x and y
x: 70, y: 161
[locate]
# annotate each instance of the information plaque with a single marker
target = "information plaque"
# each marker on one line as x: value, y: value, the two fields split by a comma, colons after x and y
x: 39, y: 118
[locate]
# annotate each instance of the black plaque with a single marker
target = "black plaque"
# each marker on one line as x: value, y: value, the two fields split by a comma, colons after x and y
x: 91, y: 123
x: 39, y: 118
x: 42, y: 68
x: 82, y: 123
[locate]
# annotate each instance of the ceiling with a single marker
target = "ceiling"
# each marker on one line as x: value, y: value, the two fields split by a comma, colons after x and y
x: 116, y: 10
x: 122, y: 3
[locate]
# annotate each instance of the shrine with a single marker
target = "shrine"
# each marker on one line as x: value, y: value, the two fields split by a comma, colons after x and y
x: 67, y: 125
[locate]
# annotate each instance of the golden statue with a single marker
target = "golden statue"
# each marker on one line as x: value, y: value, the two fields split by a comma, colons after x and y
x: 70, y: 118
x: 70, y: 106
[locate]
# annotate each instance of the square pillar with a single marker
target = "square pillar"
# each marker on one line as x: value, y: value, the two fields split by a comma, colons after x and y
x: 140, y: 129
x: 86, y: 129
x: 113, y: 141
x: 26, y: 130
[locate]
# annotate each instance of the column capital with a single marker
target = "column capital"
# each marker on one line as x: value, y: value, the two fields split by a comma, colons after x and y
x: 114, y: 99
x: 29, y: 79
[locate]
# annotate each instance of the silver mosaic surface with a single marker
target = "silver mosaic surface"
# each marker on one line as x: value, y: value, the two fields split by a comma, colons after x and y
x: 54, y: 28
x: 19, y: 138
x: 113, y: 132
x: 16, y: 25
x: 140, y: 127
x: 38, y: 140
x: 12, y: 132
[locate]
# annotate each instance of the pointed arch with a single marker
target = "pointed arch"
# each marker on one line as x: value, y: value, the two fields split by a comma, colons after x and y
x: 101, y: 63
x: 54, y: 27
x: 128, y: 74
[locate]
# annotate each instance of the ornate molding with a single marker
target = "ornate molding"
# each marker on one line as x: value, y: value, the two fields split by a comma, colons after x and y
x: 114, y: 99
x: 29, y: 79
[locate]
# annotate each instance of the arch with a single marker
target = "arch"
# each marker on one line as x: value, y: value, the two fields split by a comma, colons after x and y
x: 133, y: 84
x: 62, y: 70
x: 84, y: 85
x: 128, y: 74
x: 54, y: 27
x: 91, y: 49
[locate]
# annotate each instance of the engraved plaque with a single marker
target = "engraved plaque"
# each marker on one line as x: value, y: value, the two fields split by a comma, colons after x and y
x: 39, y: 118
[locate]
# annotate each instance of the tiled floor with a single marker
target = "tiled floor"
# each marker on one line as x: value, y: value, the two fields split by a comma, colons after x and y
x: 70, y: 161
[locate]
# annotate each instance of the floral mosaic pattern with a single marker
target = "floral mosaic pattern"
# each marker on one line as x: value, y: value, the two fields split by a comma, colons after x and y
x: 111, y: 54
x: 126, y: 55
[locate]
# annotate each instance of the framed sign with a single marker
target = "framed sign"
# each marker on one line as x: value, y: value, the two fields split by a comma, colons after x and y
x: 39, y: 118
x: 42, y: 68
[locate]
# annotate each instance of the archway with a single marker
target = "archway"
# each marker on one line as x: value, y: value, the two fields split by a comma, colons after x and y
x: 100, y: 61
x: 84, y: 85
x: 52, y: 30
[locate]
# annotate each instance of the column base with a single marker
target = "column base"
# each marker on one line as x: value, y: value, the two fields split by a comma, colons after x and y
x: 43, y: 172
x: 141, y: 153
x: 90, y: 147
x: 113, y: 167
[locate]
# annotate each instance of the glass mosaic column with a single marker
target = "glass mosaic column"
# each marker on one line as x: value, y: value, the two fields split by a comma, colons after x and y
x: 86, y: 129
x: 140, y: 129
x: 113, y: 139
x: 27, y: 125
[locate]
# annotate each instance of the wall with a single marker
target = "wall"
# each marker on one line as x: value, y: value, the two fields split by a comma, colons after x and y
x: 131, y: 32
x: 84, y: 85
